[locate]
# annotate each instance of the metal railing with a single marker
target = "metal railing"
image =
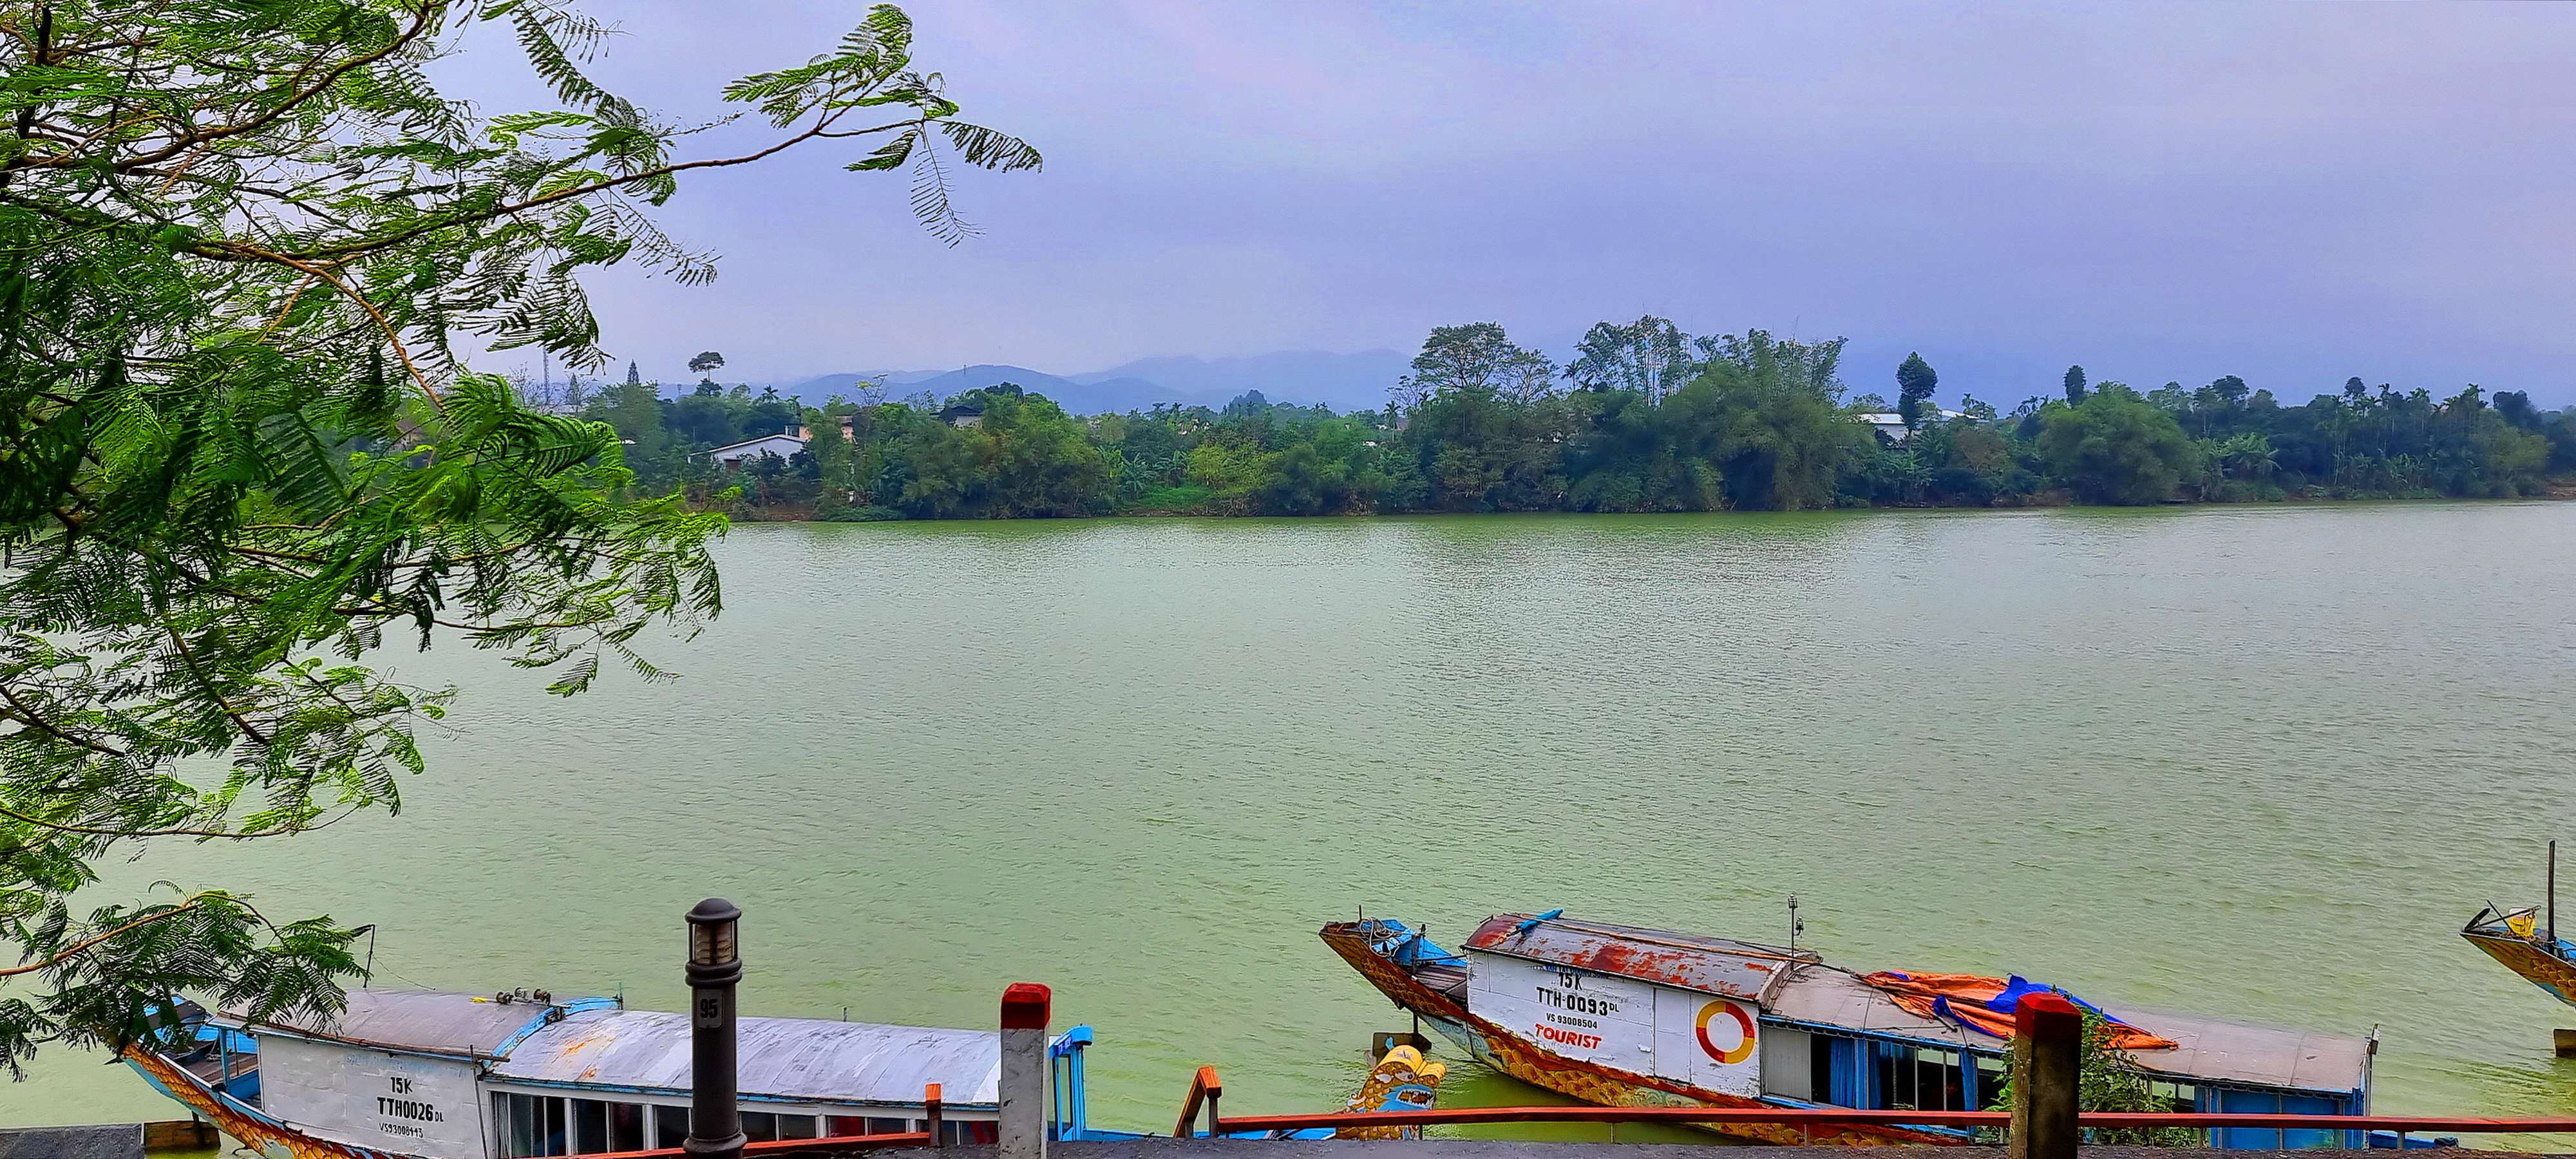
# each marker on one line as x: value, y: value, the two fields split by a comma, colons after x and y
x: 1205, y: 1087
x: 1845, y: 1117
x: 932, y: 1118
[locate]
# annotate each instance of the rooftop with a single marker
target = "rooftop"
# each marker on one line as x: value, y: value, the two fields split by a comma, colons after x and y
x: 1720, y: 966
x: 2207, y: 1049
x: 791, y: 1058
x: 423, y: 1021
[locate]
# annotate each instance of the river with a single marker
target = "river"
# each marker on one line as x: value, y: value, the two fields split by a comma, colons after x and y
x: 2257, y: 762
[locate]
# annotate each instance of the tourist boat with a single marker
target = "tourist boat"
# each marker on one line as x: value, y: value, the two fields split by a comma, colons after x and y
x: 1625, y: 1016
x: 406, y: 1074
x: 2527, y: 946
x: 2526, y: 942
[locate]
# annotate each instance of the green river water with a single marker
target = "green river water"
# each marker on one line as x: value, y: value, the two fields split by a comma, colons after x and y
x: 2252, y: 762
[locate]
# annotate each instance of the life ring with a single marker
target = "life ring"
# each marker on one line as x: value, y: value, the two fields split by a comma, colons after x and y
x: 1743, y: 1049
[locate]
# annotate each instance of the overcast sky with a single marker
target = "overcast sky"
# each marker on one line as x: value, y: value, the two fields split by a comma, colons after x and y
x: 2294, y: 193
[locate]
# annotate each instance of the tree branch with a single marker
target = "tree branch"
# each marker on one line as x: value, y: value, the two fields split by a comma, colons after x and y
x: 83, y: 946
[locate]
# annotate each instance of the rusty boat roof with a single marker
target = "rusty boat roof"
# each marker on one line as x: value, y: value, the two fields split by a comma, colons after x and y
x: 1720, y: 966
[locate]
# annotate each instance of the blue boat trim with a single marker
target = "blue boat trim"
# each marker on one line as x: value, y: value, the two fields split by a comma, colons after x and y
x: 551, y: 1015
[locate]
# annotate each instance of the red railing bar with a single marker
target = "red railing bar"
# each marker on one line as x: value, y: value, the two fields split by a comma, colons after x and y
x: 1205, y: 1088
x: 1841, y: 1116
x: 792, y: 1147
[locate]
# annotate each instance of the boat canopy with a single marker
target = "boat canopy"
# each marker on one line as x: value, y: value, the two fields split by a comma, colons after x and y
x: 426, y: 1021
x: 1720, y: 966
x: 2204, y: 1050
x: 796, y: 1059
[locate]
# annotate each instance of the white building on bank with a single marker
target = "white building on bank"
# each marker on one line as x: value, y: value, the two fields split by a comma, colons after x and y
x: 733, y: 456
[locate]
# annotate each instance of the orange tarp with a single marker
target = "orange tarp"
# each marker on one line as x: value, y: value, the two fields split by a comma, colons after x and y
x: 1963, y: 998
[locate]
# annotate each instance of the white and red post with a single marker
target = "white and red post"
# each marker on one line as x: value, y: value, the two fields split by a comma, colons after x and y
x: 1024, y: 1070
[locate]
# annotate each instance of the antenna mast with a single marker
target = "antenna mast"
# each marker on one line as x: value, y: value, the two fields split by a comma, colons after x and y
x: 1795, y: 926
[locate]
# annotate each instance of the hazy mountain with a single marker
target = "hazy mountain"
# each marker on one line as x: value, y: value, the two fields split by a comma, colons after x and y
x: 1090, y: 394
x: 1302, y: 377
x: 1345, y: 381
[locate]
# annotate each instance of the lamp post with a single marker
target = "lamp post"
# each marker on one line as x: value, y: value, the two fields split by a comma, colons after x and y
x: 715, y: 965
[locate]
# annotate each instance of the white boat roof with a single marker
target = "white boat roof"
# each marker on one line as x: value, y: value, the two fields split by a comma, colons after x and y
x: 590, y: 1042
x: 803, y: 1059
x: 420, y: 1021
x: 2207, y: 1049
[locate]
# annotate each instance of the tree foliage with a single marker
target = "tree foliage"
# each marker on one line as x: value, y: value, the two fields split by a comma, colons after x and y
x: 1915, y: 382
x: 2109, y: 1079
x: 245, y: 247
x: 2115, y: 447
x: 1752, y: 421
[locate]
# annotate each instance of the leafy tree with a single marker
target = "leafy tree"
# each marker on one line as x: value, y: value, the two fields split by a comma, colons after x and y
x: 2115, y: 447
x: 706, y: 361
x: 2110, y: 1080
x: 1650, y: 356
x: 1778, y: 436
x: 2514, y: 407
x: 2074, y: 385
x: 1914, y: 383
x: 1476, y: 357
x: 237, y: 448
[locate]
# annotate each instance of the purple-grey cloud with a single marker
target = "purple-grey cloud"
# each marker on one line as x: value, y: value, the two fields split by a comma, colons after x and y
x: 2294, y: 193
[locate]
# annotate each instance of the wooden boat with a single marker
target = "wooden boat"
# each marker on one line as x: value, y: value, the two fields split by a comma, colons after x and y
x: 1628, y: 1016
x: 2519, y: 941
x: 427, y: 1075
x: 2526, y: 941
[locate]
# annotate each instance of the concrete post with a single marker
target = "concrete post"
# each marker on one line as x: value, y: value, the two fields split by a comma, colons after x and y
x: 1024, y: 1070
x: 2046, y: 1056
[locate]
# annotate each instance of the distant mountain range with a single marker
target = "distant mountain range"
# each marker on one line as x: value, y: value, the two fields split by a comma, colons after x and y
x: 1342, y: 381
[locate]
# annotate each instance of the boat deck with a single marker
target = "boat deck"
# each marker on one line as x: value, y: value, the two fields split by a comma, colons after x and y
x: 1449, y: 980
x: 210, y: 1069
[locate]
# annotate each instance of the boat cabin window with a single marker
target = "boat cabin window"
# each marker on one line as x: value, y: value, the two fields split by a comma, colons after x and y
x: 530, y: 1125
x: 535, y: 1126
x: 1919, y: 1079
x: 2181, y: 1098
x: 590, y: 1127
x: 600, y: 1127
x: 765, y: 1126
x: 626, y: 1127
x: 1874, y: 1074
x: 1788, y: 1064
x: 1991, y: 1075
x: 670, y: 1126
x: 954, y: 1132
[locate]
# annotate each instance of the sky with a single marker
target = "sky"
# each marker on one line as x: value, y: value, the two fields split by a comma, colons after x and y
x: 2292, y: 193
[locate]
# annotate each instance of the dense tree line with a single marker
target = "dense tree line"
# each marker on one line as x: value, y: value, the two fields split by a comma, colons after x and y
x: 1644, y: 418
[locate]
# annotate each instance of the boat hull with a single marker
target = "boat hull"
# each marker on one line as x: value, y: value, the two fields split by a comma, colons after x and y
x: 2527, y: 959
x: 259, y: 1132
x: 1591, y: 1082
